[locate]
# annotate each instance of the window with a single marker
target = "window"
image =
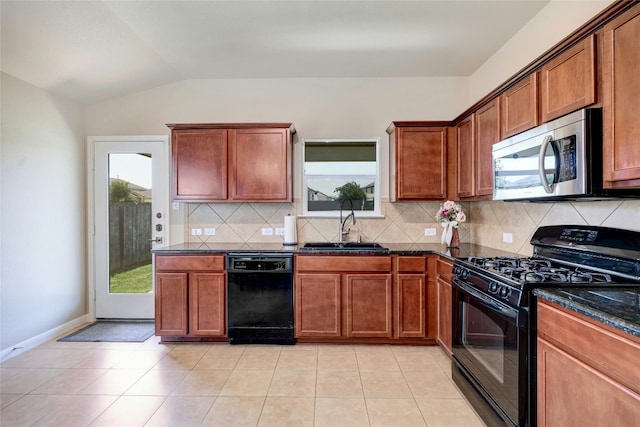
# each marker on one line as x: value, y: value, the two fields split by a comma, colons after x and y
x: 337, y: 169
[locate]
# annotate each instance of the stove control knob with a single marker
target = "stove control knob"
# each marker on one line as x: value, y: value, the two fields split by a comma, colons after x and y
x: 461, y: 272
x: 493, y: 287
x: 504, y: 292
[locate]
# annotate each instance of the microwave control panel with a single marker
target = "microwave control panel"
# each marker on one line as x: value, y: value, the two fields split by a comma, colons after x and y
x: 567, y: 155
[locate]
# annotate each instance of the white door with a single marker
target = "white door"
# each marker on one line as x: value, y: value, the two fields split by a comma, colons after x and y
x: 128, y: 203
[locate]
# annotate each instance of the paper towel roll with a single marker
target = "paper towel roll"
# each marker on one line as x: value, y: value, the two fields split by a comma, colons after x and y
x: 290, y: 233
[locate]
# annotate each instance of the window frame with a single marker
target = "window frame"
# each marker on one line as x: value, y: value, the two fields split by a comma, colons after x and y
x: 377, y: 206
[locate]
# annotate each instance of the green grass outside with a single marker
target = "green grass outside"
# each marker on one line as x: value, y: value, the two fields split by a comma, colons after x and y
x: 136, y: 281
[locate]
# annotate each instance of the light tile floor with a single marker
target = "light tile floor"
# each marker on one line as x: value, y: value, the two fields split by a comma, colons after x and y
x: 153, y: 384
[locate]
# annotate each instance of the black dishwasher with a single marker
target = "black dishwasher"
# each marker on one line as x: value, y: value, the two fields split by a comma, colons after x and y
x: 260, y: 298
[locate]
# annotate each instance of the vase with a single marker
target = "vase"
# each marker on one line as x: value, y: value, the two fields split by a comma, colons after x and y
x: 455, y: 238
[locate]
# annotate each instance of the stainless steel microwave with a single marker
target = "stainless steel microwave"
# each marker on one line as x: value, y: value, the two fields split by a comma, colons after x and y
x: 561, y: 159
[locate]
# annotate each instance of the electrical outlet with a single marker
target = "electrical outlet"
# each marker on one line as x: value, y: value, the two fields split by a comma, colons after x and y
x: 209, y: 231
x: 279, y: 231
x: 507, y: 237
x: 429, y: 231
x: 196, y: 231
x: 267, y: 231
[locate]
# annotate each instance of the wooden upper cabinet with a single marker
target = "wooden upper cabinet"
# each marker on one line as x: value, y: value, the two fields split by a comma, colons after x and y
x: 465, y: 136
x: 487, y: 126
x: 568, y: 82
x: 519, y: 106
x: 260, y: 164
x: 621, y: 101
x: 418, y: 162
x: 199, y: 164
x: 232, y: 162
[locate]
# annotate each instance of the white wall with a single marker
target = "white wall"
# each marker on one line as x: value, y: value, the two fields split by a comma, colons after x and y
x: 42, y: 220
x: 552, y: 24
x: 319, y: 108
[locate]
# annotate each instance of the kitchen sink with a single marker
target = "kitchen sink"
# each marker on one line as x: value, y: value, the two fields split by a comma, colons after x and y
x: 344, y: 246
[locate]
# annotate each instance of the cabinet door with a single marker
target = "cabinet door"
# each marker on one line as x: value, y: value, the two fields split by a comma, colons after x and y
x: 207, y: 303
x: 519, y: 106
x: 260, y: 165
x: 318, y: 304
x: 171, y: 304
x: 487, y: 133
x: 199, y: 164
x: 368, y: 302
x: 466, y: 151
x: 568, y: 82
x: 444, y: 314
x: 621, y: 94
x: 572, y: 393
x: 411, y: 307
x: 420, y: 163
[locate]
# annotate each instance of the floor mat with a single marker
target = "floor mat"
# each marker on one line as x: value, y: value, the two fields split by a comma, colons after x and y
x: 113, y: 331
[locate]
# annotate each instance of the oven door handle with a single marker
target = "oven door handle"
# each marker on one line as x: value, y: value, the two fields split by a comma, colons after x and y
x: 487, y: 301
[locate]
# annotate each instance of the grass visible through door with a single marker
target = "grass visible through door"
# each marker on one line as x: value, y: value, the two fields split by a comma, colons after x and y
x: 136, y: 281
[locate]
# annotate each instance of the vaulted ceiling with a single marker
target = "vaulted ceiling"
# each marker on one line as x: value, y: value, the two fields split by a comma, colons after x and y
x: 95, y: 50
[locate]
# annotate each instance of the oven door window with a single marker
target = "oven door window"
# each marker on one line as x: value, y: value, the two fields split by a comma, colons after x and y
x: 489, y: 344
x: 485, y: 340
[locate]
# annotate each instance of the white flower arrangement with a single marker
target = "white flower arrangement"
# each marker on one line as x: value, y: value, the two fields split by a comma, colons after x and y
x: 451, y: 212
x: 450, y: 216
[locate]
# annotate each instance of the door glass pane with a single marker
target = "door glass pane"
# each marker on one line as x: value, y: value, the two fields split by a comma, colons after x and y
x: 130, y: 223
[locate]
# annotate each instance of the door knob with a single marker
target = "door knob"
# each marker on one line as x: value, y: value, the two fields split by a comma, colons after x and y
x: 156, y: 240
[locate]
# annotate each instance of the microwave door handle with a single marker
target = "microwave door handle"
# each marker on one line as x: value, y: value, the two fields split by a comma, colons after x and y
x: 543, y: 176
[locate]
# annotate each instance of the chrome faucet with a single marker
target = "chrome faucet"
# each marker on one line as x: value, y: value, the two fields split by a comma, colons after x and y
x: 341, y: 231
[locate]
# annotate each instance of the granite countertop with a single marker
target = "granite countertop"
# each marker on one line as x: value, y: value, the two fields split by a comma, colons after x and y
x: 466, y: 249
x: 613, y: 306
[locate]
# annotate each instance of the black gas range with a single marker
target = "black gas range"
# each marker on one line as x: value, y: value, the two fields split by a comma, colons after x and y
x: 494, y: 313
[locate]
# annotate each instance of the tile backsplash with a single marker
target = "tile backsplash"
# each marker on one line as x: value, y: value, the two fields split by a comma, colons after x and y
x: 406, y: 222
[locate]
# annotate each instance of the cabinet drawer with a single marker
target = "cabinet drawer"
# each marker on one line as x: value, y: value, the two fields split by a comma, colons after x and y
x: 189, y: 262
x: 412, y: 263
x: 444, y: 268
x: 615, y: 355
x: 329, y: 263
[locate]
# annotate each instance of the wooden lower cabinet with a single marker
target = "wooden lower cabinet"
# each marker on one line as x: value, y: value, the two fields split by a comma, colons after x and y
x: 318, y: 305
x: 368, y: 303
x: 190, y: 296
x: 414, y: 297
x: 207, y: 311
x: 381, y: 298
x: 172, y: 304
x: 587, y: 372
x: 411, y: 307
x: 444, y: 272
x: 322, y: 301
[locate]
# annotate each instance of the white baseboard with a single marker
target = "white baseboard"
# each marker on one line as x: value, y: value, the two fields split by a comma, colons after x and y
x: 43, y: 337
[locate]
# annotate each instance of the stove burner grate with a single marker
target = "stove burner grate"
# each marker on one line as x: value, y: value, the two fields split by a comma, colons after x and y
x: 533, y: 270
